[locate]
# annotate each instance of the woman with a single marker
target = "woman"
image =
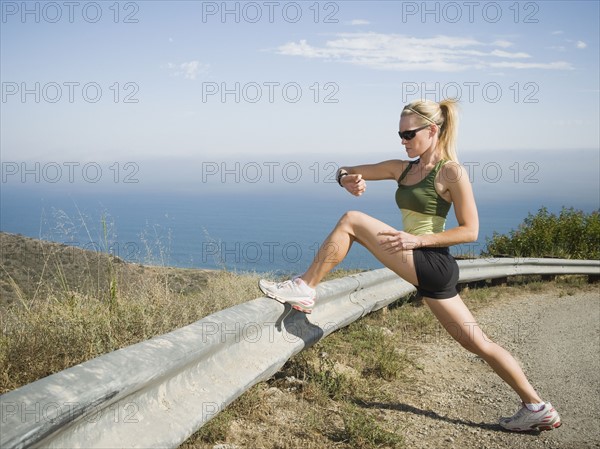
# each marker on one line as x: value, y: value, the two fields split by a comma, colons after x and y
x: 427, y: 187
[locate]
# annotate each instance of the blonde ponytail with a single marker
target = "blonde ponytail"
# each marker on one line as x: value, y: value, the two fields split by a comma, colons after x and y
x: 445, y: 115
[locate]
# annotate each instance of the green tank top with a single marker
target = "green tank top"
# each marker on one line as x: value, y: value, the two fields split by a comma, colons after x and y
x: 423, y: 210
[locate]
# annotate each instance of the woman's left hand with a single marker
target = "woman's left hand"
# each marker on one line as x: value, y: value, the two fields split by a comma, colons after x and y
x: 394, y: 241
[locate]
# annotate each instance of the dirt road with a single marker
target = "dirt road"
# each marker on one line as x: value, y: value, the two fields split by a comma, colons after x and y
x: 457, y: 398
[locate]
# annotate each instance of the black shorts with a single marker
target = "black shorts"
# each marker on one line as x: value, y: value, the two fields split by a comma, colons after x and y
x: 437, y: 272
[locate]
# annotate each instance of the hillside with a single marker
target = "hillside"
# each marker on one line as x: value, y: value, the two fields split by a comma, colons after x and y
x: 32, y: 269
x: 63, y: 305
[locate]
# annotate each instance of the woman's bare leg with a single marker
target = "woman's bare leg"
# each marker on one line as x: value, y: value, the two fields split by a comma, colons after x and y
x: 456, y: 318
x: 452, y: 313
x: 362, y: 228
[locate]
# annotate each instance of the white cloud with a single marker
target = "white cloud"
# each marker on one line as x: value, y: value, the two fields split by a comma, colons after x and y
x: 506, y: 54
x: 558, y: 65
x: 502, y: 43
x: 580, y: 44
x: 189, y: 70
x: 358, y: 22
x: 558, y: 32
x: 406, y: 53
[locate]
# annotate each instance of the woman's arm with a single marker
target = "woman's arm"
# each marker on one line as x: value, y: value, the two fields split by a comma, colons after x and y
x: 353, y: 178
x: 374, y: 172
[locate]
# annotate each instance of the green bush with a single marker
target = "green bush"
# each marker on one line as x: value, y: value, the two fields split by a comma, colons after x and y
x: 571, y: 234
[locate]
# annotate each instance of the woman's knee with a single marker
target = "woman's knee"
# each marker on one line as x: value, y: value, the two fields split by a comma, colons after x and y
x: 471, y: 346
x: 350, y: 219
x: 474, y: 340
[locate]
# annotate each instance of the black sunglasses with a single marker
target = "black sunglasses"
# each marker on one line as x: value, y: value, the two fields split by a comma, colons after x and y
x: 410, y: 134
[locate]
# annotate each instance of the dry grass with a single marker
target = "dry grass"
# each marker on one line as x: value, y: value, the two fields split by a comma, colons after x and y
x: 62, y: 306
x: 67, y: 327
x: 58, y: 312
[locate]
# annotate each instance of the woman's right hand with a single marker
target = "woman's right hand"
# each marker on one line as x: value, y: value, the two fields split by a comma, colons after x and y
x: 354, y: 184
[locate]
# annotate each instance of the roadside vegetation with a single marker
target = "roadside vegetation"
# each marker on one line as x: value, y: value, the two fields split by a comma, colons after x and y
x: 62, y: 306
x: 66, y: 305
x: 570, y: 234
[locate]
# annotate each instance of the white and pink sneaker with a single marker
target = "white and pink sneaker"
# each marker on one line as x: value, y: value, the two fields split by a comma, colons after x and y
x: 526, y: 420
x: 294, y: 292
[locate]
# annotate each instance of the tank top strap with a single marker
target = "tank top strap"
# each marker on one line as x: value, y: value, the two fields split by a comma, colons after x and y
x: 433, y: 172
x: 438, y: 166
x: 405, y: 172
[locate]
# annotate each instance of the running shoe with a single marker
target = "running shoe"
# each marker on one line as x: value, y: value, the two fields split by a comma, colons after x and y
x: 294, y: 292
x: 526, y: 420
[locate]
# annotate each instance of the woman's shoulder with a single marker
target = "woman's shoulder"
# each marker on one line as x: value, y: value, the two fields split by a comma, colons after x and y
x: 400, y: 166
x: 453, y: 171
x: 393, y: 167
x: 397, y: 162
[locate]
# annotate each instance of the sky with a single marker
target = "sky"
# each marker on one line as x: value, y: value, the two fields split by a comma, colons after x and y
x: 182, y: 96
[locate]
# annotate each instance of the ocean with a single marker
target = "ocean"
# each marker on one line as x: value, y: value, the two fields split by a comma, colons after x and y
x: 238, y: 232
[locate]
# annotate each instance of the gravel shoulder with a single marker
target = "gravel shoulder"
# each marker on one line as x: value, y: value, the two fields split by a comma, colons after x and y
x: 456, y: 398
x: 450, y: 398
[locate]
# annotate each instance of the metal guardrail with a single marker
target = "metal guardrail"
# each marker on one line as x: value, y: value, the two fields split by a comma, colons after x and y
x: 159, y: 392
